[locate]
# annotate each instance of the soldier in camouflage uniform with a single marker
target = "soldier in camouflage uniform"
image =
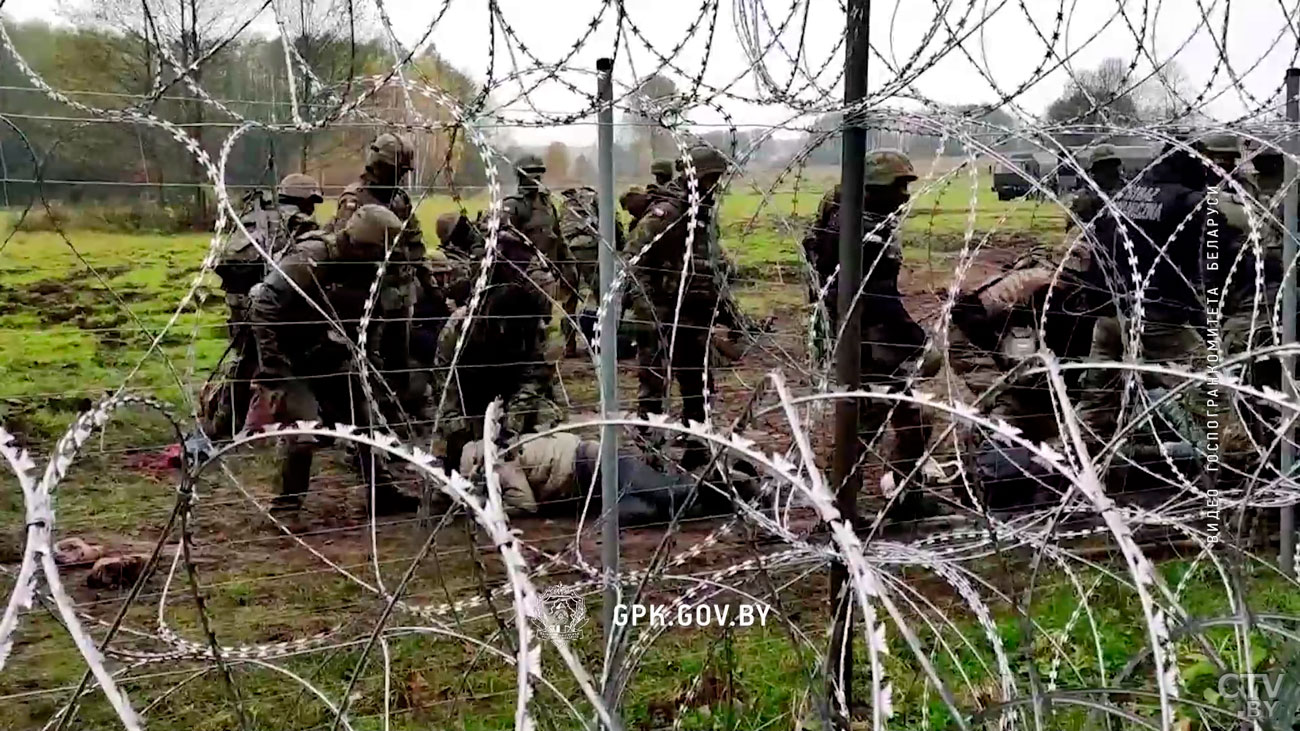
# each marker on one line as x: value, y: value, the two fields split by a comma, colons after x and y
x: 1224, y: 151
x: 241, y: 267
x: 409, y: 277
x: 1107, y: 171
x: 892, y: 342
x: 662, y: 170
x: 1248, y: 310
x: 531, y: 213
x: 580, y: 226
x: 502, y: 357
x: 306, y: 370
x: 1163, y: 223
x: 660, y: 238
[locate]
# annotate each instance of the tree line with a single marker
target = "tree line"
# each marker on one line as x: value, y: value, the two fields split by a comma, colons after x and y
x: 110, y: 59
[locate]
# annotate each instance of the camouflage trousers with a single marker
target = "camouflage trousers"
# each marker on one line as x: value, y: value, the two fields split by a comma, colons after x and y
x: 889, y: 345
x: 587, y: 280
x: 1162, y: 343
x: 224, y: 402
x: 690, y: 353
x: 1239, y: 337
x: 334, y: 398
x: 486, y: 371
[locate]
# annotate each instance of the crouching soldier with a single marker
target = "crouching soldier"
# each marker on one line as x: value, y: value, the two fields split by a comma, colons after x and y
x: 307, y: 370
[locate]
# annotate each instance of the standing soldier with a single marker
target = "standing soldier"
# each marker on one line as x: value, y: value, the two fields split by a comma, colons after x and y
x: 1107, y: 171
x: 307, y: 372
x: 1161, y: 247
x: 660, y: 239
x: 502, y: 356
x: 892, y: 342
x: 580, y: 226
x: 1248, y: 310
x: 662, y: 170
x: 531, y: 213
x: 408, y: 276
x: 241, y: 267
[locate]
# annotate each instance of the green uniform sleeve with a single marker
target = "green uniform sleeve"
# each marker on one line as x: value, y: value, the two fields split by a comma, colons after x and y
x: 651, y: 226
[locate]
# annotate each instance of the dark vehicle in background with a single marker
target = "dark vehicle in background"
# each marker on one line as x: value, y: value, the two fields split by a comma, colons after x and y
x: 1014, y: 180
x: 1136, y: 158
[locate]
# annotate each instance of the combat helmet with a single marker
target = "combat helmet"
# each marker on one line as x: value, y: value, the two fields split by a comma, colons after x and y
x: 530, y: 165
x: 302, y: 187
x: 661, y: 167
x: 445, y: 225
x: 885, y: 167
x: 707, y: 160
x: 1102, y: 153
x: 393, y: 150
x: 371, y: 229
x: 1222, y: 144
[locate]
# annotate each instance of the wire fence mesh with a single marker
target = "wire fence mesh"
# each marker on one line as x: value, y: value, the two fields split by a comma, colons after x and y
x: 277, y: 458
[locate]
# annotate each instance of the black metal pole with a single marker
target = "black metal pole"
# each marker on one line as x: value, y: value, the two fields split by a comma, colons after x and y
x: 846, y: 477
x: 1288, y: 537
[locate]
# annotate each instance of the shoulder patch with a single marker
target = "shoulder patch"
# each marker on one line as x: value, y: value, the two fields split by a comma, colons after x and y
x: 659, y: 210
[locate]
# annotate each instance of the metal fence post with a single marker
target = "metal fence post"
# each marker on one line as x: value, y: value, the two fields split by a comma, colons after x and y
x: 844, y: 472
x: 1287, y: 543
x: 608, y: 370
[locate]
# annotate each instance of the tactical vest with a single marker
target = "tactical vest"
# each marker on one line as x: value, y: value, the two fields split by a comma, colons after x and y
x: 580, y: 232
x: 662, y: 264
x: 1153, y: 211
x: 876, y: 233
x: 535, y: 217
x: 241, y: 266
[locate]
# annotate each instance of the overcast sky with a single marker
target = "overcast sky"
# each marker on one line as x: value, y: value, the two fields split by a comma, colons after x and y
x: 997, y: 42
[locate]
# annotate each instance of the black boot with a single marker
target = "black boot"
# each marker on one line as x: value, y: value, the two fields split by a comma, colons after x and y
x: 388, y: 499
x: 295, y: 476
x: 391, y: 501
x: 910, y: 506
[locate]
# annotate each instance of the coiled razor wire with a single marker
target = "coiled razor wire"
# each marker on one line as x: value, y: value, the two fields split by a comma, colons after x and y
x: 930, y: 654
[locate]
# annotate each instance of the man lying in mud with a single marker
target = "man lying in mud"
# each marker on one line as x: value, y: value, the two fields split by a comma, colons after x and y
x: 553, y: 474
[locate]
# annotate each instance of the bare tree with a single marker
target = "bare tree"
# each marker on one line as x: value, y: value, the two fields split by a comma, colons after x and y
x: 1164, y: 95
x: 317, y: 29
x: 1098, y: 95
x: 189, y: 31
x: 650, y: 139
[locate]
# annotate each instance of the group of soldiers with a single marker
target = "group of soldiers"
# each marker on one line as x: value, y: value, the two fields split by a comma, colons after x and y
x: 1164, y: 263
x: 298, y: 292
x: 299, y: 354
x: 1158, y: 246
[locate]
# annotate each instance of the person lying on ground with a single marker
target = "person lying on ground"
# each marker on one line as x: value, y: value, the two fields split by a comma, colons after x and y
x: 553, y: 474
